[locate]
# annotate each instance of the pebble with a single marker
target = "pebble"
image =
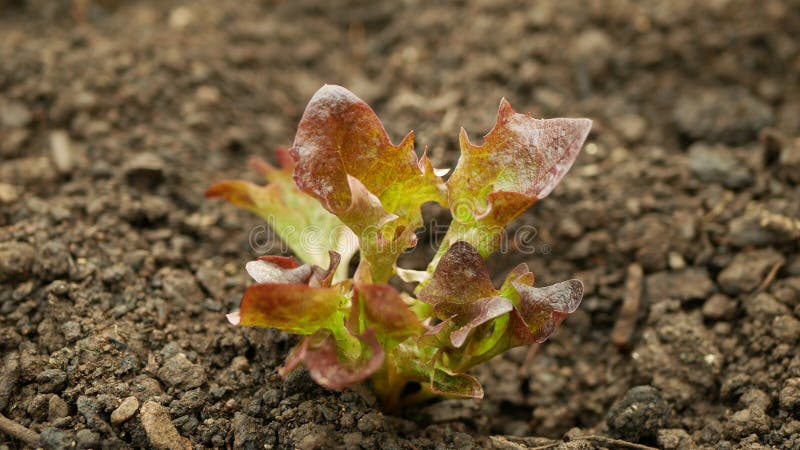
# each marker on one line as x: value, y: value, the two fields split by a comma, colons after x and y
x: 747, y: 270
x: 593, y: 49
x: 639, y: 414
x: 60, y: 150
x: 247, y: 432
x: 87, y: 439
x: 181, y: 373
x: 729, y: 115
x: 719, y: 307
x: 674, y: 439
x: 790, y: 397
x: 786, y: 329
x: 689, y: 284
x: 125, y: 410
x: 12, y: 144
x: 212, y: 279
x: 159, y: 429
x: 751, y: 420
x: 55, y: 260
x: 52, y: 438
x: 57, y: 408
x: 765, y: 307
x: 718, y: 165
x: 632, y: 127
x: 145, y: 170
x: 747, y: 231
x: 51, y: 381
x: 756, y: 398
x: 15, y: 115
x: 8, y: 193
x: 16, y: 261
x: 180, y: 286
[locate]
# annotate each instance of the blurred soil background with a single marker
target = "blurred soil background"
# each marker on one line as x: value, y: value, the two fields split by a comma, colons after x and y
x: 681, y: 216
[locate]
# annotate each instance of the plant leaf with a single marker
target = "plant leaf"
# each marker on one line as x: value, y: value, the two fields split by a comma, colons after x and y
x: 520, y: 161
x: 329, y: 366
x: 295, y: 308
x: 340, y: 138
x: 460, y: 278
x: 459, y: 385
x: 381, y: 307
x: 297, y: 218
x: 542, y: 310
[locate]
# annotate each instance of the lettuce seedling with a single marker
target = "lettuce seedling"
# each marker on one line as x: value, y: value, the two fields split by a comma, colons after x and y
x: 344, y: 179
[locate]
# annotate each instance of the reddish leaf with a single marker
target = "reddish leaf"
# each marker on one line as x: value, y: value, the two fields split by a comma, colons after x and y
x: 520, y: 161
x: 381, y: 307
x: 329, y: 366
x: 461, y: 277
x: 296, y: 308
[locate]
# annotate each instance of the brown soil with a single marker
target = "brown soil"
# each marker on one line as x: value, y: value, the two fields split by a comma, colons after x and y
x: 115, y: 273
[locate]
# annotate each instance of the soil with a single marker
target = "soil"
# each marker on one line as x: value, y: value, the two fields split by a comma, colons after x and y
x: 116, y: 273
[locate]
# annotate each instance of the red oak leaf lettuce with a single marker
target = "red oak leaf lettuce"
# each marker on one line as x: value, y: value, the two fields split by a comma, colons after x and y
x: 345, y: 179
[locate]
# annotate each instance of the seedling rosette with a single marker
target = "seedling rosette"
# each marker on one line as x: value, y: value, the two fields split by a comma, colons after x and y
x: 345, y: 178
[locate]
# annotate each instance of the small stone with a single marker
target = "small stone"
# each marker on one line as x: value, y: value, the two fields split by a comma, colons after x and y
x: 789, y: 161
x: 15, y: 115
x: 8, y: 194
x: 16, y: 261
x: 752, y: 420
x: 37, y: 407
x: 353, y: 440
x: 13, y: 142
x: 145, y: 170
x: 718, y: 165
x: 790, y: 397
x: 61, y: 152
x: 51, y: 380
x: 747, y: 230
x: 639, y: 414
x: 370, y: 422
x: 212, y: 279
x: 180, y: 286
x: 765, y: 307
x: 181, y: 373
x: 159, y: 429
x: 674, y: 439
x: 56, y: 408
x: 756, y: 398
x: 87, y: 439
x: 125, y: 410
x: 52, y: 438
x: 247, y: 432
x: 689, y: 284
x: 632, y: 127
x: 719, y: 307
x: 747, y: 270
x: 730, y: 115
x: 786, y: 329
x: 676, y: 261
x: 593, y: 50
x: 55, y: 260
x: 180, y: 17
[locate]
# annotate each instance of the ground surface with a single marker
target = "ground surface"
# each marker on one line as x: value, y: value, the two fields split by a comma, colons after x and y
x: 115, y: 273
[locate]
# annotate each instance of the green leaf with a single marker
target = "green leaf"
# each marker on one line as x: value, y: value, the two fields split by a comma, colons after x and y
x: 339, y: 141
x: 520, y: 161
x: 297, y: 218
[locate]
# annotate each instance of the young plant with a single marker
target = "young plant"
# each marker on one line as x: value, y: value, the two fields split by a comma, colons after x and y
x: 345, y: 187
